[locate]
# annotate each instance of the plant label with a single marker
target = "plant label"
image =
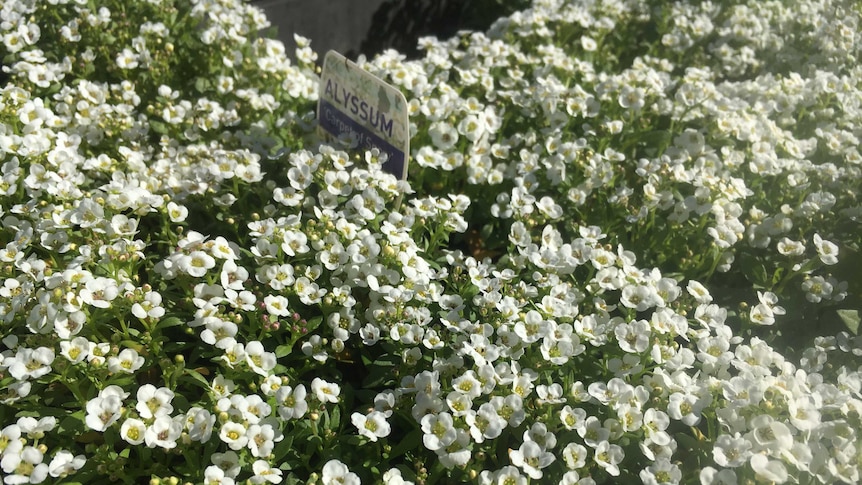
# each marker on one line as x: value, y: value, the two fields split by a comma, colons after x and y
x: 359, y: 106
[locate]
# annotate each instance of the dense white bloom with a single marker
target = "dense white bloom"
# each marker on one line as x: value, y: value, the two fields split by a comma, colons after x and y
x: 789, y: 247
x: 661, y: 472
x: 36, y: 429
x: 765, y: 311
x: 325, y: 391
x: 164, y: 432
x: 686, y: 407
x: 608, y: 457
x: 30, y: 363
x: 711, y: 476
x: 292, y: 403
x: 64, y: 464
x: 228, y: 462
x: 336, y: 473
x: 23, y: 464
x: 439, y: 431
x: 264, y: 472
x: 575, y: 456
x: 199, y: 424
x: 150, y: 307
x: 768, y: 470
x: 133, y: 431
x: 104, y: 410
x: 531, y: 459
x: 768, y: 434
x: 393, y: 476
x: 485, y: 423
x: 214, y: 475
x: 731, y: 451
x: 373, y: 425
x: 128, y: 361
x: 826, y: 250
x: 154, y: 402
x: 698, y: 291
x: 737, y: 163
x: 234, y: 435
x: 260, y: 361
x: 262, y: 439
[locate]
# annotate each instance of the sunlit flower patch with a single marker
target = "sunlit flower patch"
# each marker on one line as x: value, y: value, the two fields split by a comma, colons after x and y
x: 627, y: 251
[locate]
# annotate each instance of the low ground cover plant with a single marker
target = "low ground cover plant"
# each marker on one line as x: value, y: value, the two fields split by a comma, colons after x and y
x: 627, y: 250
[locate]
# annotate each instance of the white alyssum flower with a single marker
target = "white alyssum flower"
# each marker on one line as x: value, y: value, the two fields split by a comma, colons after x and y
x: 164, y: 432
x: 234, y: 435
x: 64, y: 464
x: 608, y: 456
x: 264, y: 472
x: 336, y: 473
x: 105, y: 409
x: 133, y: 431
x: 372, y: 425
x: 154, y: 402
x: 530, y: 458
x: 127, y: 362
x: 325, y: 392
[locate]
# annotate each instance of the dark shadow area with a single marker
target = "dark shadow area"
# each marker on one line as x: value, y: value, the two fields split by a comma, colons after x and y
x: 369, y: 27
x: 398, y: 24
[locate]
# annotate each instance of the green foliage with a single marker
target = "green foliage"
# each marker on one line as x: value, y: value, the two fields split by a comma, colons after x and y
x: 628, y: 249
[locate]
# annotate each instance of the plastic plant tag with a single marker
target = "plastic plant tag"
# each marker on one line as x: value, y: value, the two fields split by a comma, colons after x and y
x: 356, y: 105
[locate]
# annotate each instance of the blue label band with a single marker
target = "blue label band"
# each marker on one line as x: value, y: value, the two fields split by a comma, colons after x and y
x: 339, y: 123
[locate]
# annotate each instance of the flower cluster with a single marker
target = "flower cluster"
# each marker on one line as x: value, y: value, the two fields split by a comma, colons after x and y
x: 626, y: 250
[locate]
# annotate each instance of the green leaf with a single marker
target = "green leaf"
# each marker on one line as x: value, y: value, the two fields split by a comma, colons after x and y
x: 689, y: 442
x: 313, y: 445
x: 760, y: 276
x: 409, y: 442
x: 334, y: 418
x: 158, y: 127
x: 851, y: 319
x: 169, y: 322
x: 282, y: 449
x: 380, y: 372
x: 73, y: 423
x: 137, y: 346
x: 283, y: 350
x: 202, y: 84
x: 776, y: 277
x: 654, y: 139
x: 313, y: 323
x: 195, y: 377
